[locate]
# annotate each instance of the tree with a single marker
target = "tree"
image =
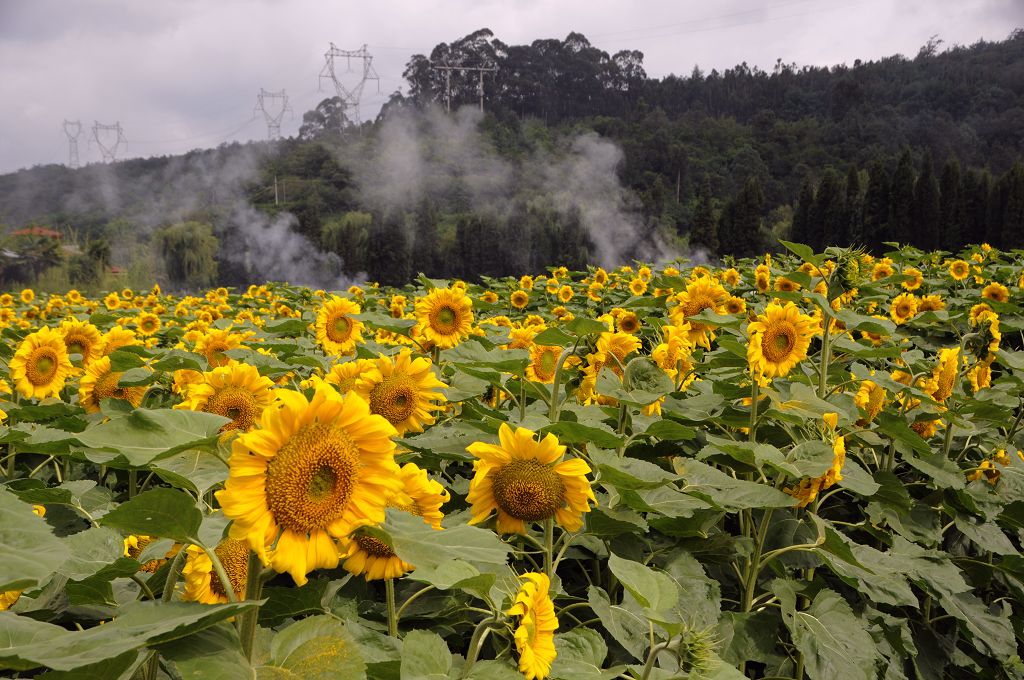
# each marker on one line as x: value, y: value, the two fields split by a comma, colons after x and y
x: 876, y: 207
x: 901, y: 201
x: 189, y: 251
x: 347, y: 236
x: 926, y: 214
x: 426, y: 251
x: 388, y: 258
x: 828, y: 213
x: 704, y: 232
x: 327, y: 119
x: 1013, y: 215
x: 802, y: 230
x: 952, y: 207
x: 977, y: 187
x: 740, y: 224
x: 854, y: 217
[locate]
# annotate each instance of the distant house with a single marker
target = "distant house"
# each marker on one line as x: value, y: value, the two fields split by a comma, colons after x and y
x: 36, y: 230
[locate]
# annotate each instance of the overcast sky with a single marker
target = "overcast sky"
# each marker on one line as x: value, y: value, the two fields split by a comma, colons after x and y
x: 185, y: 74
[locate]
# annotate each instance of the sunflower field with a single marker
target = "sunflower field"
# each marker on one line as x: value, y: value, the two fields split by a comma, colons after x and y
x: 806, y: 465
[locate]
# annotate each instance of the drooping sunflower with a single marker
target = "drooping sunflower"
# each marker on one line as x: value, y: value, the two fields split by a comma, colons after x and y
x: 526, y: 480
x: 201, y: 581
x: 100, y: 382
x: 870, y: 398
x: 809, y: 488
x: 313, y: 471
x: 779, y: 339
x: 82, y: 338
x: 997, y: 292
x: 402, y: 390
x: 535, y: 633
x: 944, y: 373
x: 336, y: 329
x: 40, y: 366
x: 236, y: 391
x: 903, y: 308
x: 445, y: 316
x: 374, y: 559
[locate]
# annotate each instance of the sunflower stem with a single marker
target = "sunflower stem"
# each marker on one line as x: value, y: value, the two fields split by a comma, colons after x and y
x: 389, y: 591
x: 412, y: 598
x: 549, y: 534
x: 477, y: 642
x: 133, y: 483
x: 225, y: 582
x: 826, y: 355
x: 755, y: 390
x: 652, y: 657
x: 172, y: 576
x: 553, y: 412
x: 253, y: 591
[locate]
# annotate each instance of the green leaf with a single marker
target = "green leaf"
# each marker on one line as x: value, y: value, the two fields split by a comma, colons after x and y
x: 193, y: 470
x: 316, y: 648
x: 90, y: 551
x: 654, y: 590
x: 580, y: 656
x: 120, y: 667
x: 802, y: 251
x: 721, y: 490
x: 168, y: 513
x: 628, y: 629
x: 137, y: 377
x: 30, y: 552
x: 146, y: 435
x: 643, y: 374
x: 670, y: 430
x: 569, y: 432
x: 423, y: 546
x: 425, y: 656
x: 213, y: 653
x: 629, y: 473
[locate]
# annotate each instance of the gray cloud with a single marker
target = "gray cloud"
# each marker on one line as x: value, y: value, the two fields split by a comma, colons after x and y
x: 184, y: 75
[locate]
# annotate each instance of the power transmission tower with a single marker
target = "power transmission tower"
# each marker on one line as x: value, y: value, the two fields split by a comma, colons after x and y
x: 349, y: 96
x: 448, y: 81
x: 73, y: 130
x: 273, y: 119
x: 108, y: 151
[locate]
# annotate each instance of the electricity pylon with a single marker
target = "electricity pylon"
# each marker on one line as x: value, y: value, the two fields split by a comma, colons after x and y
x: 448, y: 81
x: 108, y: 151
x: 275, y: 112
x: 73, y: 130
x: 349, y: 96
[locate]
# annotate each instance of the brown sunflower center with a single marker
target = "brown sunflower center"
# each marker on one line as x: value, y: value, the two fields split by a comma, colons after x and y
x: 444, y: 319
x: 234, y: 556
x: 236, y: 403
x: 394, y: 398
x: 76, y: 345
x: 311, y: 479
x: 528, y: 490
x: 374, y: 546
x: 106, y: 387
x: 778, y: 342
x: 629, y: 324
x: 339, y: 329
x: 546, y: 365
x: 41, y: 366
x: 215, y: 353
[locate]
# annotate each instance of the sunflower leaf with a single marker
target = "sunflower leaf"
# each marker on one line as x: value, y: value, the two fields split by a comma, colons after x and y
x: 167, y: 513
x: 30, y: 550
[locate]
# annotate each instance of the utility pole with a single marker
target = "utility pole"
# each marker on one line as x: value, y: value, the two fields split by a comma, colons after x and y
x: 273, y: 114
x: 349, y: 96
x: 481, y: 70
x: 73, y: 130
x: 108, y: 151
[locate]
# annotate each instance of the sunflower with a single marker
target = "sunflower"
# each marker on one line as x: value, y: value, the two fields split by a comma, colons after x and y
x: 915, y: 280
x: 779, y: 339
x: 627, y: 322
x: 215, y: 342
x: 27, y: 296
x: 445, y: 316
x: 312, y: 472
x: 735, y: 305
x: 870, y: 398
x: 808, y: 489
x: 336, y: 329
x: 374, y: 559
x: 944, y: 374
x: 100, y: 382
x: 489, y: 297
x: 402, y: 390
x: 762, y: 278
x: 201, y: 581
x: 543, y: 361
x: 784, y: 285
x: 344, y: 376
x: 41, y: 365
x: 520, y: 299
x: 882, y: 269
x: 523, y: 481
x: 996, y: 292
x: 83, y: 339
x: 148, y: 323
x: 638, y: 287
x: 118, y: 337
x: 959, y: 270
x: 535, y: 634
x: 134, y: 545
x: 526, y: 282
x: 521, y: 338
x: 700, y: 294
x: 930, y: 303
x: 903, y: 308
x: 236, y: 391
x: 980, y: 374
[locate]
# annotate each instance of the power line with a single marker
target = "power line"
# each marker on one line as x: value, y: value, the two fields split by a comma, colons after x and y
x: 73, y: 130
x: 278, y: 106
x: 108, y: 150
x: 349, y: 96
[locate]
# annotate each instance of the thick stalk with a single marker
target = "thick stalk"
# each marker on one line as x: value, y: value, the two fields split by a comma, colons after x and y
x: 652, y: 657
x: 754, y: 565
x: 826, y: 355
x: 389, y: 591
x: 476, y: 642
x: 755, y: 390
x: 221, y: 573
x: 549, y: 535
x: 553, y: 411
x: 253, y: 591
x: 133, y: 483
x: 172, y: 576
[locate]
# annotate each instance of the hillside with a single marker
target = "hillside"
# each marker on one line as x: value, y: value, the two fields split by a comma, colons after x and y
x: 579, y: 158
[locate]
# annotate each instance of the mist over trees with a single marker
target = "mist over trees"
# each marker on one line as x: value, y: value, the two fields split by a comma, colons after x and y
x: 580, y: 158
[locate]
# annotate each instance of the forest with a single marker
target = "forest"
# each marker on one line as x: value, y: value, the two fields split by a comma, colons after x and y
x: 580, y: 157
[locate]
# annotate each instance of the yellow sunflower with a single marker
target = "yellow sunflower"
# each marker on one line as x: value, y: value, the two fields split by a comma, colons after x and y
x: 445, y: 316
x: 903, y: 308
x: 565, y: 294
x: 638, y: 287
x: 236, y: 391
x: 784, y: 285
x: 402, y: 390
x: 118, y: 337
x: 735, y: 305
x: 520, y: 299
x: 930, y: 303
x: 882, y: 269
x: 700, y: 294
x: 344, y: 376
x: 915, y: 280
x: 201, y: 581
x: 627, y: 322
x: 543, y: 360
x: 762, y: 278
x: 996, y: 292
x: 148, y: 323
x: 373, y: 559
x: 808, y: 489
x: 82, y: 338
x: 312, y: 471
x: 27, y: 296
x: 535, y: 633
x: 215, y: 342
x: 523, y: 480
x: 336, y: 329
x: 944, y: 374
x: 41, y: 366
x: 779, y: 339
x: 870, y: 399
x: 99, y: 383
x: 959, y: 270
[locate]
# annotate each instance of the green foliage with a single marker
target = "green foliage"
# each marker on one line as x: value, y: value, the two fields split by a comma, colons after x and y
x: 189, y: 251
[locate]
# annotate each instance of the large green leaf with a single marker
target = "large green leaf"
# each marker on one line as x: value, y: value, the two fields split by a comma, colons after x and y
x: 167, y: 513
x: 146, y: 435
x: 421, y: 545
x: 425, y: 656
x: 727, y: 492
x: 654, y: 590
x: 316, y: 648
x: 629, y: 473
x: 29, y: 552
